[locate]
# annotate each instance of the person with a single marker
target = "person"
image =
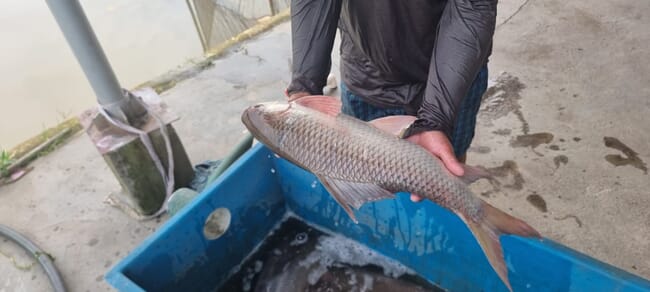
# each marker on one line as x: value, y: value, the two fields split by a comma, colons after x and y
x: 426, y: 58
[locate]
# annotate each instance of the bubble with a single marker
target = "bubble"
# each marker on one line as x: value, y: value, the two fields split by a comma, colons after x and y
x: 300, y: 238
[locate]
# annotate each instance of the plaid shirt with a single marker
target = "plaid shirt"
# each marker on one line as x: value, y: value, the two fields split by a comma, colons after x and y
x: 463, y: 132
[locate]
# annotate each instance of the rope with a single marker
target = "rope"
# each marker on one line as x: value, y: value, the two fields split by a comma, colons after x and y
x: 168, y: 178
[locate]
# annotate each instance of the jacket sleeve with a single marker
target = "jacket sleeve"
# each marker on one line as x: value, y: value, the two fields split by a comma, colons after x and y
x: 463, y: 43
x: 313, y: 29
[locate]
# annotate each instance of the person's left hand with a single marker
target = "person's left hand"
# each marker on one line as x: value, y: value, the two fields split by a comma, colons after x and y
x: 437, y: 143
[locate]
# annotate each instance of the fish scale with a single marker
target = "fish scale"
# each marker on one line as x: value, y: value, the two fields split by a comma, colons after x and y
x: 327, y: 149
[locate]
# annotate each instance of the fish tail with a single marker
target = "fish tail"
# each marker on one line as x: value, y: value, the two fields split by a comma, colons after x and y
x: 487, y: 231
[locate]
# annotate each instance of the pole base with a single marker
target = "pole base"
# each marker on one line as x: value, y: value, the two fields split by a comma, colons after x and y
x: 143, y: 188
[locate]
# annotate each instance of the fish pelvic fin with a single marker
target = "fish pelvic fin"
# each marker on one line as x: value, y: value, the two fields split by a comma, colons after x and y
x: 494, y: 223
x: 474, y: 173
x: 350, y: 194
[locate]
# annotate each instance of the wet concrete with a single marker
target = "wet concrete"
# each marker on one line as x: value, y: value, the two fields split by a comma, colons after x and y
x: 502, y: 98
x: 532, y: 140
x: 537, y: 201
x: 582, y: 78
x: 632, y: 158
x: 591, y: 49
x: 479, y: 149
x: 574, y: 217
x: 560, y: 159
x: 507, y: 175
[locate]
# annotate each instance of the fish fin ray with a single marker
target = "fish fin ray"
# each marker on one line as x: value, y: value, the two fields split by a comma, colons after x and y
x: 394, y: 125
x: 325, y: 104
x: 474, y: 173
x: 487, y: 232
x: 340, y: 200
x: 354, y: 194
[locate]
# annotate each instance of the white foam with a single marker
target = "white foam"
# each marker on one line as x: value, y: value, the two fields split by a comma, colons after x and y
x: 334, y: 250
x: 272, y: 170
x: 353, y: 277
x: 258, y: 266
x: 246, y: 281
x: 368, y: 281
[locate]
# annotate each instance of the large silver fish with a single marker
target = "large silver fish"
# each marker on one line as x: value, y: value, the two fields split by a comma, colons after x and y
x: 359, y: 162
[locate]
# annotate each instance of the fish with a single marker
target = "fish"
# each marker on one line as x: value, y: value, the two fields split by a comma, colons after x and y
x: 359, y: 162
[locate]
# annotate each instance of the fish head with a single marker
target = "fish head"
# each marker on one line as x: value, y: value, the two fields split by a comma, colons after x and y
x: 266, y: 121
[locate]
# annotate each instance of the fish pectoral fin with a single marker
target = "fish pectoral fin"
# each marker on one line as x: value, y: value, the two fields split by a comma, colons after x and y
x: 353, y: 194
x: 324, y: 104
x: 394, y: 125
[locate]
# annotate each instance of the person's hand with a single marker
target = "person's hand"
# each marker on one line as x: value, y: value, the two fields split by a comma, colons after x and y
x: 296, y: 95
x: 437, y: 143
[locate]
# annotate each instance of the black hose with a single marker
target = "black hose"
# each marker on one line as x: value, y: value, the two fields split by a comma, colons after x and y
x: 43, y: 257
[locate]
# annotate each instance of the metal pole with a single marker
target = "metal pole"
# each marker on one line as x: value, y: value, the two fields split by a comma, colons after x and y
x: 80, y: 36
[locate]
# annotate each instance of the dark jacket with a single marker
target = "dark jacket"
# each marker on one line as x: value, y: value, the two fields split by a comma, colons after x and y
x: 420, y: 55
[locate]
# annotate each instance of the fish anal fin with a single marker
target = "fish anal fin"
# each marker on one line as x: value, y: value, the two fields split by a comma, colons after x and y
x: 325, y: 104
x: 353, y: 194
x: 394, y: 125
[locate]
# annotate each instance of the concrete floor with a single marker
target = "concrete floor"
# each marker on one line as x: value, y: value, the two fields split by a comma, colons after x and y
x: 565, y: 76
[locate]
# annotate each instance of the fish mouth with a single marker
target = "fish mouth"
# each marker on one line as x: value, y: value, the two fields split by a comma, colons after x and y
x: 246, y: 117
x: 253, y: 120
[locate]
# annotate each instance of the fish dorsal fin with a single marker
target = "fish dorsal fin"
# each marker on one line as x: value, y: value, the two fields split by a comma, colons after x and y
x: 353, y: 194
x: 324, y: 104
x: 394, y: 125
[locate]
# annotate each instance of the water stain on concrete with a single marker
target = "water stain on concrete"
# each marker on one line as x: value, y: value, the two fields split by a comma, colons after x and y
x: 532, y: 140
x: 632, y: 158
x: 502, y: 132
x: 507, y: 169
x: 537, y: 201
x: 570, y: 216
x: 577, y: 139
x: 502, y: 98
x: 479, y: 149
x: 560, y: 159
x: 93, y: 242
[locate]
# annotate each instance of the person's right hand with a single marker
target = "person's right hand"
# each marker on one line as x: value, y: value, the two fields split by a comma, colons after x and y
x: 296, y: 95
x: 437, y: 143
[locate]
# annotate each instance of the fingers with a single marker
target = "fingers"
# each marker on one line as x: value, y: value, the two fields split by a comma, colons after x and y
x: 450, y: 161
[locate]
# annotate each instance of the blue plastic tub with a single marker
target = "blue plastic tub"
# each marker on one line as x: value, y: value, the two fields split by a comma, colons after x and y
x: 259, y: 189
